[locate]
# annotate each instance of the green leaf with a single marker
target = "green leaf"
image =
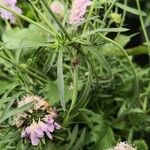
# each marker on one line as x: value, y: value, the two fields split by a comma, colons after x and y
x: 80, y: 142
x: 140, y: 144
x: 111, y: 49
x: 142, y: 49
x: 86, y: 89
x: 97, y: 54
x: 7, y: 99
x: 73, y: 137
x: 131, y: 10
x: 16, y: 111
x: 52, y: 93
x: 31, y: 37
x: 60, y: 79
x: 4, y: 86
x: 86, y: 34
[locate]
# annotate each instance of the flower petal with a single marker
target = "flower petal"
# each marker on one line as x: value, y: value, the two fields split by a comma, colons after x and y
x: 57, y: 126
x: 39, y: 132
x: 34, y: 139
x: 49, y: 134
x: 51, y: 128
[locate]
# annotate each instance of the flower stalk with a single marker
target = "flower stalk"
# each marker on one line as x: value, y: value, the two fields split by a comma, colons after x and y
x: 57, y: 20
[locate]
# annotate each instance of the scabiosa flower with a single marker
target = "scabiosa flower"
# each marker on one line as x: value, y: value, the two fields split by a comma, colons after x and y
x: 11, y: 4
x: 57, y: 7
x: 38, y: 121
x: 78, y: 11
x: 123, y: 146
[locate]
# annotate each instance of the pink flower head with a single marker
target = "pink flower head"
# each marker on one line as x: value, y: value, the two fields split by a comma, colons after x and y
x: 11, y: 4
x: 36, y: 131
x: 37, y: 121
x: 57, y: 7
x: 78, y: 11
x: 123, y: 146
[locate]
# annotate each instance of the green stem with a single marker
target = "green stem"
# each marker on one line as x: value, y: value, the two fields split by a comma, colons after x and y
x: 43, y: 17
x: 123, y: 16
x: 28, y: 20
x: 74, y: 97
x: 129, y: 61
x: 57, y: 20
x: 143, y: 26
x: 108, y: 11
x: 75, y: 88
x: 24, y: 70
x: 89, y: 15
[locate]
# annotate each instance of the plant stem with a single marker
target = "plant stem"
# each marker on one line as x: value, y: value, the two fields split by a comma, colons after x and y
x: 75, y: 88
x: 129, y: 61
x: 123, y: 16
x: 89, y: 15
x: 43, y: 17
x: 143, y: 26
x: 28, y: 20
x: 24, y: 70
x: 74, y: 97
x: 57, y: 21
x: 108, y: 11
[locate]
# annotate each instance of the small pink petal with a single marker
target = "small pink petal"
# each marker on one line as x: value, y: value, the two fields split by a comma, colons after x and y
x: 34, y: 139
x: 51, y: 128
x: 57, y: 126
x: 39, y: 132
x: 49, y: 135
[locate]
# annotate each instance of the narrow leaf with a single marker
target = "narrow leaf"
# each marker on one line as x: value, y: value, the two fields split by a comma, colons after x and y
x: 131, y: 10
x: 16, y: 111
x: 60, y: 79
x: 104, y: 30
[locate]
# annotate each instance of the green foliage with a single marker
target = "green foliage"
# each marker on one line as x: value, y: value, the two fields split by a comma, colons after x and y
x: 141, y: 145
x: 83, y: 70
x: 31, y: 37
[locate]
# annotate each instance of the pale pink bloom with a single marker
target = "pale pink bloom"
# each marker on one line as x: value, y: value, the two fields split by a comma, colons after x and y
x: 33, y: 132
x: 57, y: 7
x: 123, y: 146
x: 36, y: 131
x: 78, y: 11
x: 11, y: 4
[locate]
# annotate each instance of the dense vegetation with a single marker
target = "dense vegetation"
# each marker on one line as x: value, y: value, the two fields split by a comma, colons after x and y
x: 78, y: 56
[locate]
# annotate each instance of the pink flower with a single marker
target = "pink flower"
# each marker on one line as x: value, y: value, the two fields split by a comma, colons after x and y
x: 36, y: 131
x: 37, y: 121
x: 78, y: 11
x: 33, y: 132
x: 48, y: 129
x: 57, y: 7
x: 11, y: 4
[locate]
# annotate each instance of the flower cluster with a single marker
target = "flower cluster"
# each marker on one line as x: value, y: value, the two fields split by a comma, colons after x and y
x: 11, y: 4
x: 123, y: 146
x: 57, y: 7
x: 37, y: 121
x: 78, y: 11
